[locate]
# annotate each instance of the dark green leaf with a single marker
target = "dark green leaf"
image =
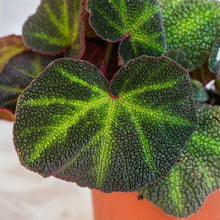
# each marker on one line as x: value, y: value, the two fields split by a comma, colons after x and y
x: 213, y: 62
x: 178, y: 56
x: 9, y: 47
x: 200, y: 94
x: 192, y: 26
x: 68, y: 124
x: 137, y: 23
x: 17, y: 74
x: 54, y: 27
x: 187, y: 186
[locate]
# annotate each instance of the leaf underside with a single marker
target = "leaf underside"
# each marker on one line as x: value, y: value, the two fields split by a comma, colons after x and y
x: 54, y: 27
x: 137, y: 23
x: 213, y: 62
x: 192, y: 26
x: 69, y: 126
x: 185, y: 189
x: 17, y: 75
x: 9, y: 47
x: 200, y: 94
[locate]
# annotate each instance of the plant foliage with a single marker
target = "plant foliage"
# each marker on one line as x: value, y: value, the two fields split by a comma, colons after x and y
x: 118, y: 141
x: 186, y: 187
x: 123, y: 112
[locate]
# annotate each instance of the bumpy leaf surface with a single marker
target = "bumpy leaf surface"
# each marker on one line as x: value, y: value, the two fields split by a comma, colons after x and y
x: 192, y: 26
x: 185, y: 189
x: 200, y: 94
x: 9, y: 47
x: 213, y: 62
x: 178, y: 56
x: 54, y: 27
x: 17, y: 74
x: 137, y: 23
x: 68, y: 124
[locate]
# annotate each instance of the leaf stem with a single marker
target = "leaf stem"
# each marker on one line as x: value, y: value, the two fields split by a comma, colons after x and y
x: 107, y: 58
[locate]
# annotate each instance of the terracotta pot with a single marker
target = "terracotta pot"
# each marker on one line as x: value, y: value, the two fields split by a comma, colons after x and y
x: 125, y: 206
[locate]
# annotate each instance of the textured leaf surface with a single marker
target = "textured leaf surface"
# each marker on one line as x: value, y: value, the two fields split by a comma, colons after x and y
x: 17, y: 74
x: 213, y: 62
x: 185, y: 189
x: 200, y: 94
x: 69, y: 126
x: 9, y: 47
x: 54, y: 27
x: 192, y: 26
x: 137, y: 23
x: 178, y: 56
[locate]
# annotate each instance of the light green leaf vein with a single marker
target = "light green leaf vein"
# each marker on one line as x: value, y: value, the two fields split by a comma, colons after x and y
x: 60, y: 131
x: 75, y: 79
x: 157, y: 114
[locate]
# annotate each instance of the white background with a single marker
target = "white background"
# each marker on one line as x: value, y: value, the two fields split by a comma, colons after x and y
x: 25, y: 195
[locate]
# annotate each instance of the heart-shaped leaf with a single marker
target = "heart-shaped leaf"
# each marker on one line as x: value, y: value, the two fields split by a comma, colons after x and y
x: 17, y: 75
x: 192, y: 26
x: 137, y: 23
x: 213, y: 62
x: 9, y: 47
x: 187, y: 186
x: 200, y: 94
x: 54, y: 27
x: 178, y: 56
x: 70, y: 126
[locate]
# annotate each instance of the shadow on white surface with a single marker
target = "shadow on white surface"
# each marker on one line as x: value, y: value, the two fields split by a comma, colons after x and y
x: 24, y: 195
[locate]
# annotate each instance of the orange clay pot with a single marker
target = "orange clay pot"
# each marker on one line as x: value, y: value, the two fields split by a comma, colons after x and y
x: 125, y: 206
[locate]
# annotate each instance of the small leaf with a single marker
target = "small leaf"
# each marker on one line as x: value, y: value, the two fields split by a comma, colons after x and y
x: 187, y: 186
x: 9, y: 47
x: 5, y: 115
x: 55, y: 27
x: 192, y: 26
x: 213, y: 62
x: 17, y: 75
x: 178, y: 56
x: 136, y: 23
x: 200, y: 94
x: 69, y: 126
